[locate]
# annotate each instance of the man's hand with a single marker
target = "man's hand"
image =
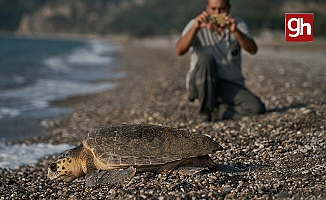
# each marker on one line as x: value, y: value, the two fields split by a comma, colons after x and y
x: 230, y: 23
x: 201, y: 21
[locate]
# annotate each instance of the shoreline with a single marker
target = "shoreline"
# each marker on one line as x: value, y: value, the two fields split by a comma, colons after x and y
x: 285, y: 147
x: 21, y: 122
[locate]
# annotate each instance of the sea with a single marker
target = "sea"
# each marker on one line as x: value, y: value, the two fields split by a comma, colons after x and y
x: 36, y: 71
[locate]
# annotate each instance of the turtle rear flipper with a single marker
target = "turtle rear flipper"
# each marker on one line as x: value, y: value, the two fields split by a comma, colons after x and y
x: 115, y: 176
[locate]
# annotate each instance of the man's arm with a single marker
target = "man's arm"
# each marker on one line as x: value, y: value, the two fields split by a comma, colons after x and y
x: 185, y: 41
x: 245, y: 42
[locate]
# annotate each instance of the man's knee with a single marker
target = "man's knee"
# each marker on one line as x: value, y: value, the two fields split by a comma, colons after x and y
x: 251, y: 104
x: 253, y: 108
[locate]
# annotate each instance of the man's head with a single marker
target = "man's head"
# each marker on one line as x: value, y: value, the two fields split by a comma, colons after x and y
x: 218, y: 6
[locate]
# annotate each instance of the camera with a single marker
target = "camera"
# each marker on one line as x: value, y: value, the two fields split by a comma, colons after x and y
x: 217, y: 19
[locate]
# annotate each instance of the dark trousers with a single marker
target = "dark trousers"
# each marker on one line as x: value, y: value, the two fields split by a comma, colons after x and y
x: 228, y: 100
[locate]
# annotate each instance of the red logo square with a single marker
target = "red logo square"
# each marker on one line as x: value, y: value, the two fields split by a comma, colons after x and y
x: 299, y: 27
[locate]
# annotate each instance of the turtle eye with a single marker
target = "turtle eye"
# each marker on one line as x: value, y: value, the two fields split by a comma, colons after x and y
x: 53, y: 167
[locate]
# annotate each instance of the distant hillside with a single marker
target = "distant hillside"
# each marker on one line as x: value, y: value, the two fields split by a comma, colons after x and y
x: 141, y: 17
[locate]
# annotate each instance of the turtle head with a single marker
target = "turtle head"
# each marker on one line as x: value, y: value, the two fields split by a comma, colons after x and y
x: 67, y: 166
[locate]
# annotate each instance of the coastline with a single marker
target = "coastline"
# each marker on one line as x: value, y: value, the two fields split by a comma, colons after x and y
x: 56, y: 68
x: 285, y: 147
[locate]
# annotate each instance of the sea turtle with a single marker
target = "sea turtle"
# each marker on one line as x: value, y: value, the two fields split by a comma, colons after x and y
x: 113, y: 154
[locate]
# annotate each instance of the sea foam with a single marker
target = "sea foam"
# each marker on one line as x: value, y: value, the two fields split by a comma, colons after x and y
x: 18, y: 155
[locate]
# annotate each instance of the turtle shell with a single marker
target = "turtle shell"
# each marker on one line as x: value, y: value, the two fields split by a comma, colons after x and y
x: 144, y: 144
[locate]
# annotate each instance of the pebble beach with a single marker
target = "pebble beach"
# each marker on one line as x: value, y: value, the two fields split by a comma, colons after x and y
x: 282, y: 153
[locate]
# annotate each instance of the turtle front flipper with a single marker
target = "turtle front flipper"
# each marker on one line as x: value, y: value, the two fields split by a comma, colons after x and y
x: 115, y: 176
x: 189, y: 170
